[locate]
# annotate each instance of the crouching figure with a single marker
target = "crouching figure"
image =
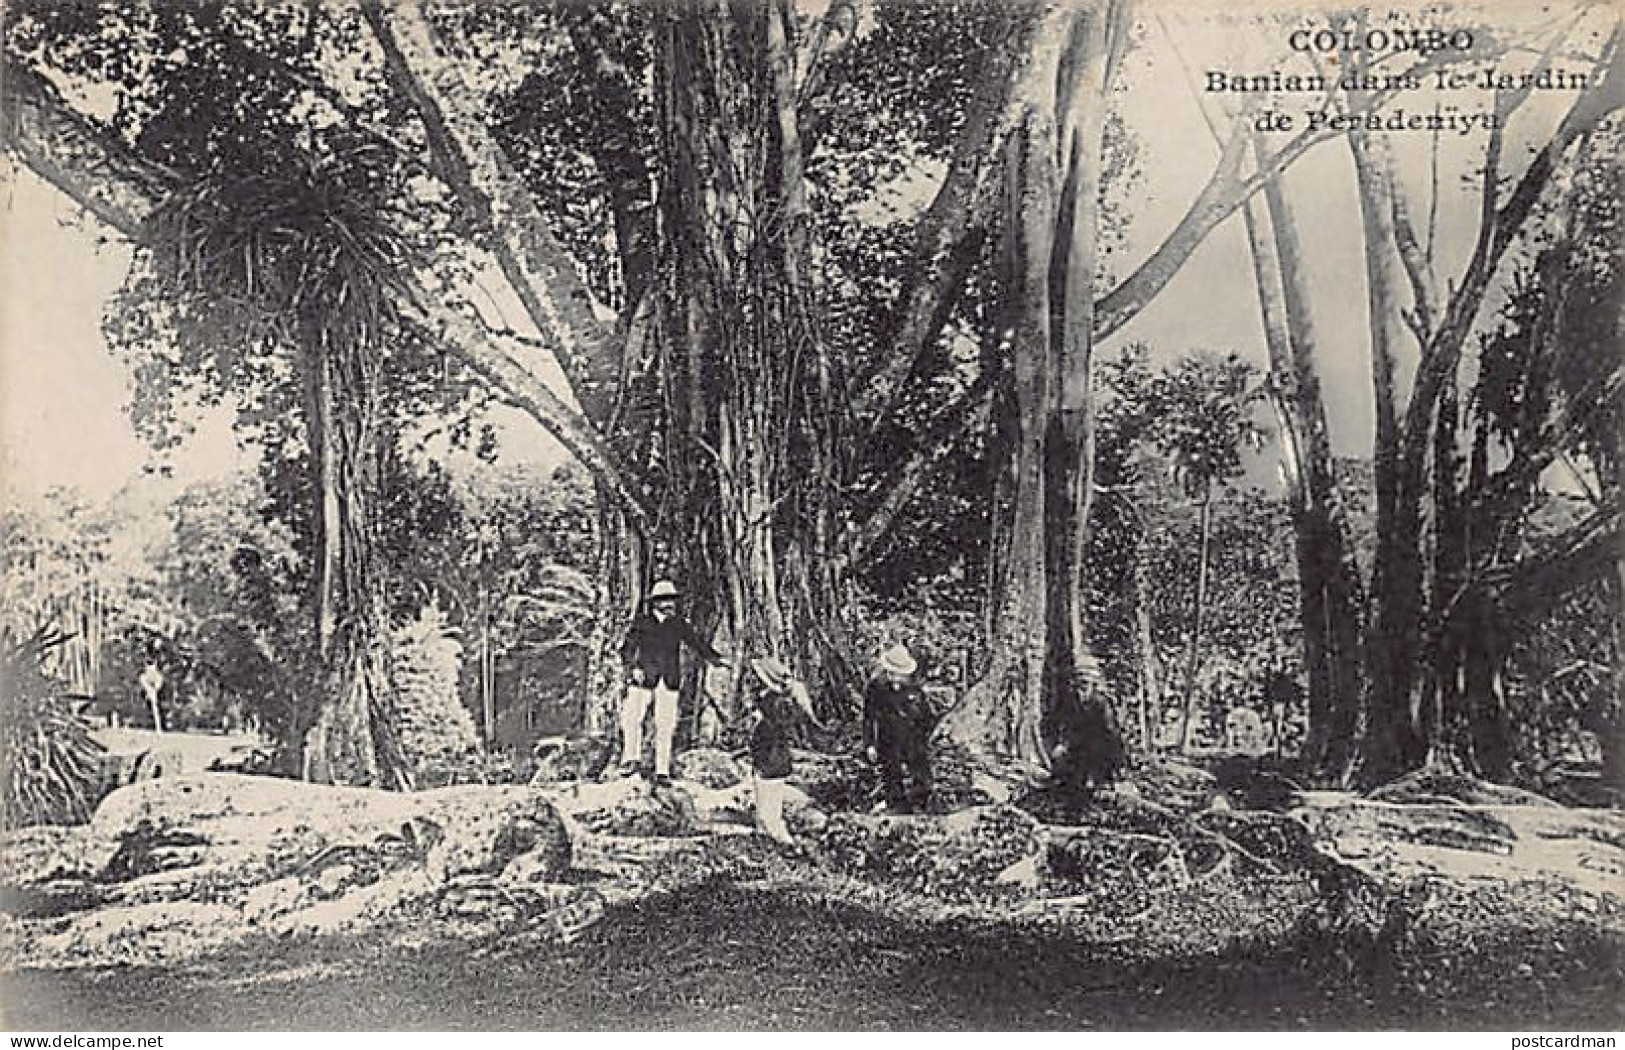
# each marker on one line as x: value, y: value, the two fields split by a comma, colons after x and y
x: 779, y: 705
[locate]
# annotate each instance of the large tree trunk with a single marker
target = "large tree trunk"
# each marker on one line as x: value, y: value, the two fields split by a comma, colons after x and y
x: 1449, y: 651
x: 1145, y: 646
x: 350, y: 741
x: 1431, y: 638
x: 1464, y: 717
x: 599, y: 36
x: 1613, y: 752
x: 1392, y: 741
x: 1613, y: 743
x: 1193, y: 654
x: 1002, y: 427
x: 746, y: 445
x: 323, y: 446
x: 1328, y: 578
x: 1034, y: 713
x: 619, y: 580
x: 815, y: 584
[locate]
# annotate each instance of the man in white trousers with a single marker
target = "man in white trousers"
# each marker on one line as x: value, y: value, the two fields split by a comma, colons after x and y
x: 651, y: 654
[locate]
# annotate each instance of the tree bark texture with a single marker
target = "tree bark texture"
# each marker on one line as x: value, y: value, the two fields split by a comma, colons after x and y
x: 747, y: 443
x: 350, y: 741
x: 1329, y: 587
x: 1145, y: 647
x: 1391, y: 742
x: 1034, y: 713
x: 1193, y: 657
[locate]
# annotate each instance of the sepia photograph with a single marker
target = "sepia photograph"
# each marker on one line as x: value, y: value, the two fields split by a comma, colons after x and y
x: 812, y: 515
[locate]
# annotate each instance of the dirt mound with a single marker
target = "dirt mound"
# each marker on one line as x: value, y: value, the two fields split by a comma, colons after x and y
x: 233, y: 856
x: 559, y: 758
x: 174, y: 867
x: 628, y: 806
x: 835, y: 783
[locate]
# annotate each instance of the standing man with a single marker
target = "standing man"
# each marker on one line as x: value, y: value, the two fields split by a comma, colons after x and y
x: 651, y: 656
x: 897, y: 724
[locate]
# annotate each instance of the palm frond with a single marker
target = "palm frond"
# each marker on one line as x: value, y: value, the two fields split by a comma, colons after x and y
x: 49, y: 763
x: 317, y: 250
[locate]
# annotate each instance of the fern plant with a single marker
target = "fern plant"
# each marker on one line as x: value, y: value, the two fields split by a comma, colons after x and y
x: 49, y: 763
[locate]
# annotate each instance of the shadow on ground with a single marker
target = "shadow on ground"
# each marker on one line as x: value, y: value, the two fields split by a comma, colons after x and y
x: 732, y: 957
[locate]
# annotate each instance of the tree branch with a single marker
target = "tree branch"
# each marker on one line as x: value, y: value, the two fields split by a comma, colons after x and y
x: 905, y: 480
x: 1530, y: 586
x: 1531, y: 461
x: 1497, y: 229
x: 89, y: 165
x: 949, y: 236
x: 86, y: 162
x: 491, y: 355
x: 1224, y: 192
x: 1411, y: 254
x: 835, y: 29
x: 473, y: 165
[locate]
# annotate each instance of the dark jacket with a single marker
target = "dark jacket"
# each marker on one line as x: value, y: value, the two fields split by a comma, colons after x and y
x: 652, y: 647
x: 895, y: 717
x: 770, y: 740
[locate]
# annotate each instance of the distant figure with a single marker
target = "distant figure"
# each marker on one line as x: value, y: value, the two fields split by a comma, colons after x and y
x: 1168, y: 727
x: 780, y: 703
x: 151, y: 682
x: 651, y: 655
x: 1283, y: 696
x: 1245, y: 733
x: 897, y: 723
x: 1087, y: 752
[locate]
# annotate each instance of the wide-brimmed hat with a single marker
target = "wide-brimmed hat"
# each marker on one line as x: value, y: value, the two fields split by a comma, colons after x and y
x: 772, y: 672
x: 777, y: 677
x: 664, y: 589
x: 898, y: 661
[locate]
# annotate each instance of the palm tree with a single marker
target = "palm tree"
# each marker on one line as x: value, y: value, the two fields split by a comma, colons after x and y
x: 302, y: 255
x: 1203, y: 408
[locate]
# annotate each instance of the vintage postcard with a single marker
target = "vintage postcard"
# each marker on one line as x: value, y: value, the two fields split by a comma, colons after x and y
x: 811, y: 515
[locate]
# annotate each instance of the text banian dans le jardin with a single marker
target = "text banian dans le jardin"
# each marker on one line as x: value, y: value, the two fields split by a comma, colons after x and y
x: 1444, y: 62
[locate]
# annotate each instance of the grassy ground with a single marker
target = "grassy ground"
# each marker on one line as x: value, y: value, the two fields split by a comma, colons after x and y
x: 731, y: 957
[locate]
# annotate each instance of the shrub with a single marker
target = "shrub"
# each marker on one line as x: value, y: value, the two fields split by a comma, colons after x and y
x: 48, y: 761
x: 435, y: 731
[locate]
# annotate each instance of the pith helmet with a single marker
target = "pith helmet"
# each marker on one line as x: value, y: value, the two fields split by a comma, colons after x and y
x: 772, y: 671
x: 898, y: 661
